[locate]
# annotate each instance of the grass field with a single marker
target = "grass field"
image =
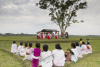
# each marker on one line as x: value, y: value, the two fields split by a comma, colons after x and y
x: 11, y: 60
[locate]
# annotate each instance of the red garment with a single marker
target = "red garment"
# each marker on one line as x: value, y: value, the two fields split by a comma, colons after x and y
x: 88, y: 47
x: 37, y: 37
x: 48, y: 37
x: 55, y: 37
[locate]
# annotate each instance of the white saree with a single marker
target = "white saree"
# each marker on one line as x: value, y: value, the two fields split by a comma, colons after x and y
x: 74, y: 56
x: 58, y: 57
x: 28, y: 57
x: 13, y: 48
x: 84, y: 50
x: 89, y: 49
x: 45, y: 59
x: 19, y: 49
x: 23, y: 51
x: 78, y: 48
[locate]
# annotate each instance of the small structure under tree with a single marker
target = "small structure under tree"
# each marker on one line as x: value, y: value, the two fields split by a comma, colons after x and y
x: 49, y: 30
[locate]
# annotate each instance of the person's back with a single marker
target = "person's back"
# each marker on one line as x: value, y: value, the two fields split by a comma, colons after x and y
x: 79, y: 51
x: 80, y: 42
x: 36, y: 55
x: 58, y: 56
x: 87, y: 41
x: 89, y: 48
x: 14, y: 47
x: 84, y: 49
x: 29, y: 52
x: 37, y: 52
x: 74, y: 56
x: 46, y: 58
x: 20, y: 47
x: 45, y: 54
x: 23, y: 50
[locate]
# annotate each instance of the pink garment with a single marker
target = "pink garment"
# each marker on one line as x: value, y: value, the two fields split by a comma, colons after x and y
x: 35, y: 62
x: 37, y: 52
x: 35, y: 59
x: 30, y: 50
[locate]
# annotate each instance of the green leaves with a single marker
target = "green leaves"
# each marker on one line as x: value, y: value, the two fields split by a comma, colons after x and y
x: 52, y: 10
x: 83, y: 5
x: 63, y: 11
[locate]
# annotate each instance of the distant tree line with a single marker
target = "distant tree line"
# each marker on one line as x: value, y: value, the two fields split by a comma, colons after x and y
x: 19, y: 34
x: 23, y: 34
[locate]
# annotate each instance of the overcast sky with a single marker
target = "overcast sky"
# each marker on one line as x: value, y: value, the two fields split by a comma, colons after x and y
x: 22, y: 16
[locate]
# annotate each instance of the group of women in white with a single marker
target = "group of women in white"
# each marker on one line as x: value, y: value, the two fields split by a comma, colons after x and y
x: 47, y: 58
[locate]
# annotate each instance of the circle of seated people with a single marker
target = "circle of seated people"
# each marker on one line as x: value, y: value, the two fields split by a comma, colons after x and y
x: 47, y: 58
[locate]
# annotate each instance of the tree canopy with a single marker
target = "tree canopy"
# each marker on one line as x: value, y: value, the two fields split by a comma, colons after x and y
x: 63, y: 12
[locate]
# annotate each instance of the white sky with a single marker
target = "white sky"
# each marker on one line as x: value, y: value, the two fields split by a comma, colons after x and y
x: 22, y: 16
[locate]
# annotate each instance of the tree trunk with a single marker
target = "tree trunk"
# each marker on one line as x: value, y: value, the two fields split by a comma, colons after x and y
x: 62, y: 30
x: 62, y: 33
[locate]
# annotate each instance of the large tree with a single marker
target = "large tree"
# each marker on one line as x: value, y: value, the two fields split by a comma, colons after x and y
x: 63, y: 12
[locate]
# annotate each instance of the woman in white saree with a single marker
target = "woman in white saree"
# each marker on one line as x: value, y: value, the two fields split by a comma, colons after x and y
x: 84, y: 49
x: 74, y: 56
x: 14, y: 47
x: 19, y: 48
x: 89, y: 48
x: 23, y: 50
x: 78, y: 50
x: 29, y: 53
x: 58, y: 56
x: 45, y: 59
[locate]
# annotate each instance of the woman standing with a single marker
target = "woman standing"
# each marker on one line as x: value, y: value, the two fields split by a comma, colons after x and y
x: 56, y: 35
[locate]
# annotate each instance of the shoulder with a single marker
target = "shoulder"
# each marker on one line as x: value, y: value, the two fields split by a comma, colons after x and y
x: 54, y: 51
x: 49, y: 51
x: 61, y: 50
x: 32, y: 48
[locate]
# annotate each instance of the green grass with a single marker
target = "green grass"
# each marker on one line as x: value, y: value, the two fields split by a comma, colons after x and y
x: 11, y: 60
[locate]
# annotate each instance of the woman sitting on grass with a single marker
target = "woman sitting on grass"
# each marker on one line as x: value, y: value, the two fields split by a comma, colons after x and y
x: 80, y: 42
x: 89, y: 47
x: 45, y: 57
x: 87, y: 40
x: 74, y: 56
x: 84, y: 49
x: 58, y: 56
x: 68, y: 55
x: 36, y: 55
x: 23, y: 50
x: 29, y: 52
x: 78, y: 50
x: 19, y: 48
x: 14, y: 47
